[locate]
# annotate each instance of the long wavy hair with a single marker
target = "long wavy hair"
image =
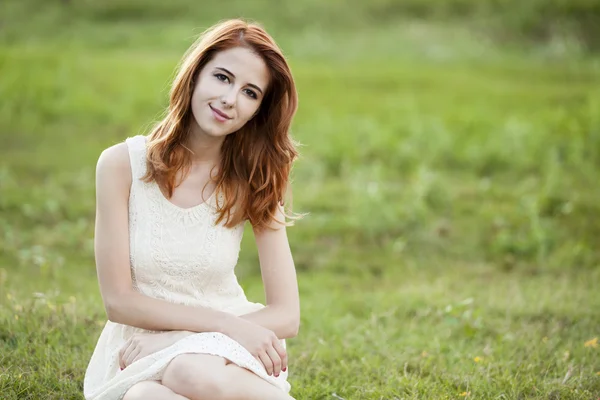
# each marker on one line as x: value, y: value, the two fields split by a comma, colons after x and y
x: 256, y: 160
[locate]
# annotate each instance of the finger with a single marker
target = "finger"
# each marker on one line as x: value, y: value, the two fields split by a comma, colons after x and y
x: 126, y: 354
x: 133, y: 355
x: 278, y: 346
x: 267, y: 362
x: 276, y: 360
x: 139, y: 355
x: 122, y: 352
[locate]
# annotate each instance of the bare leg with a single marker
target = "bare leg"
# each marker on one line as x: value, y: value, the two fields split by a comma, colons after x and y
x: 249, y: 386
x: 196, y: 376
x: 206, y: 377
x: 151, y: 390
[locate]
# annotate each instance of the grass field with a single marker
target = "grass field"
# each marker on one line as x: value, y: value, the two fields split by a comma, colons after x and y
x: 452, y: 245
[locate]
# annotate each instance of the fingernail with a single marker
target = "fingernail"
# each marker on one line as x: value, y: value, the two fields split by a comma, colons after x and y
x: 121, y: 369
x: 285, y: 369
x: 277, y: 376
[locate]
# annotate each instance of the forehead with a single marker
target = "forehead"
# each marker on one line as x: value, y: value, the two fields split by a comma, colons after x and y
x: 246, y: 65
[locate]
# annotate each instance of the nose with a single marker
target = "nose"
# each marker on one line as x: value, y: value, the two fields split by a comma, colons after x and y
x: 228, y: 98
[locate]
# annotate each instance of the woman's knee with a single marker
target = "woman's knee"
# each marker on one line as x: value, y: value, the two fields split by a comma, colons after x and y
x: 145, y: 390
x: 197, y: 376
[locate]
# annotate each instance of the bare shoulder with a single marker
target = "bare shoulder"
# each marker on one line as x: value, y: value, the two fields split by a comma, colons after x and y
x: 113, y: 165
x: 114, y: 157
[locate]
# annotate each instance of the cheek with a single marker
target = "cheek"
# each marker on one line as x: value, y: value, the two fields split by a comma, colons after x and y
x: 196, y: 104
x: 248, y: 109
x: 205, y: 88
x: 197, y: 96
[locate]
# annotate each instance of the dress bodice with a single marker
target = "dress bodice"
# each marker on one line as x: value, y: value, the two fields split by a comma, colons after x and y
x: 179, y: 254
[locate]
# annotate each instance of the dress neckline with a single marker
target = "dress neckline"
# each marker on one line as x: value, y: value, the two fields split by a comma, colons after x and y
x: 205, y: 204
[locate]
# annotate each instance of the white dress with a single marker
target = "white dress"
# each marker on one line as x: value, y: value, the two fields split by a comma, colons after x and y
x: 178, y: 255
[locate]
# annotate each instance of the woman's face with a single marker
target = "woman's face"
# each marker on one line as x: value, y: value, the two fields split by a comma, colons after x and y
x: 229, y: 91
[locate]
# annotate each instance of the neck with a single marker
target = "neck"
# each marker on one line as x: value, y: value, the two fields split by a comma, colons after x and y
x: 205, y: 149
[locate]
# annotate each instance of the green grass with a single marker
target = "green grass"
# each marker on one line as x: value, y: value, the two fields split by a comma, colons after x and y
x: 451, y: 250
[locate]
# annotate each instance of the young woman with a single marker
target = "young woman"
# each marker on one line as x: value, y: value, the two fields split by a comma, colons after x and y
x: 170, y: 214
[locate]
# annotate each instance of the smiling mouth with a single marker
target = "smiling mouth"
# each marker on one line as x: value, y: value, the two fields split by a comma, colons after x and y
x: 219, y: 115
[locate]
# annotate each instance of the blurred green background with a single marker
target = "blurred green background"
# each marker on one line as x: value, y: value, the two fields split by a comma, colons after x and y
x: 450, y: 167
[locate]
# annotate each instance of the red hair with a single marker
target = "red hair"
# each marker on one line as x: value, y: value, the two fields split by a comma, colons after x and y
x: 257, y: 159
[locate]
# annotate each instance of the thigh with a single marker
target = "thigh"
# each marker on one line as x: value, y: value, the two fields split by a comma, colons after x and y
x: 250, y: 386
x: 196, y: 375
x: 149, y: 390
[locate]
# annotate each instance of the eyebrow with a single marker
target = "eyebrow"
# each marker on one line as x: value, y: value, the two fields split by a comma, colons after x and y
x: 250, y: 84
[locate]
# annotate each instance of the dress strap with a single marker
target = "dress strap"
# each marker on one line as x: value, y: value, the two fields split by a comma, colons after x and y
x: 137, y: 155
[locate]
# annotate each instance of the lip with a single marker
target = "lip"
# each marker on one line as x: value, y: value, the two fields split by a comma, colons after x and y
x: 219, y: 115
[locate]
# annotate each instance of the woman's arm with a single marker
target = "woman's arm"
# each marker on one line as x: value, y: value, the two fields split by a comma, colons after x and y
x: 282, y: 313
x: 123, y: 304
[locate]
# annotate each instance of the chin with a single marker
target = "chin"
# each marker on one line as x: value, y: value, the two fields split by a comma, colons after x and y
x: 211, y: 130
x: 214, y: 133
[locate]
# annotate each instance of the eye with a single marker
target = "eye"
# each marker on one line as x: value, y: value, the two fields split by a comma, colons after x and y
x: 251, y: 94
x: 222, y: 78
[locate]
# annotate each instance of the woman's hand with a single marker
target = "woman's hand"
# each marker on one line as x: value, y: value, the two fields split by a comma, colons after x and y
x: 262, y: 343
x: 143, y: 344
